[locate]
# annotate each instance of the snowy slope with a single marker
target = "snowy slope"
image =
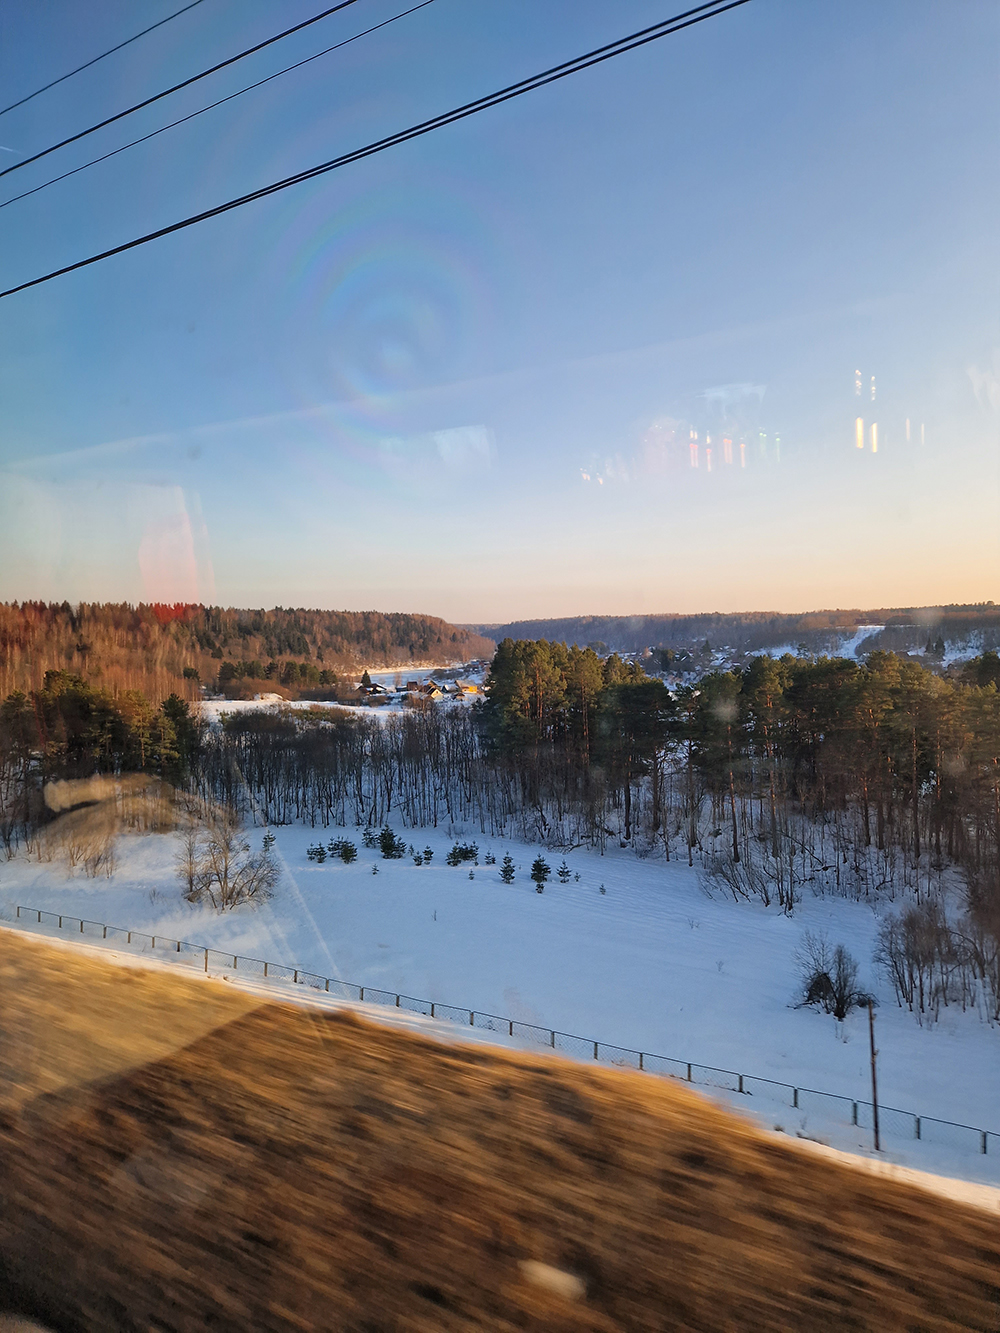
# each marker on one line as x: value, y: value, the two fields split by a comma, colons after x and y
x: 652, y: 963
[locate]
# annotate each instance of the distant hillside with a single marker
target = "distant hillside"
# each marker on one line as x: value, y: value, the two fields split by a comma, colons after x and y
x: 898, y: 629
x: 150, y: 647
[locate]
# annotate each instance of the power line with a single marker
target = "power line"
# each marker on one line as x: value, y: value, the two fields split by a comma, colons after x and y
x: 178, y: 86
x: 212, y: 105
x: 595, y: 57
x: 128, y: 40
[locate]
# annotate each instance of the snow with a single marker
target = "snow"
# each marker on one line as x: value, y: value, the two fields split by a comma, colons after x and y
x: 653, y: 963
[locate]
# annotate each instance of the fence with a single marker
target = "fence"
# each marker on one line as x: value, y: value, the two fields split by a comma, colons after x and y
x: 768, y: 1093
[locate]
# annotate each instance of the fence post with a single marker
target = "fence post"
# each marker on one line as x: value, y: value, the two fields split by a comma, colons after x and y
x: 60, y: 923
x: 553, y: 1039
x: 265, y: 970
x: 206, y: 960
x: 153, y: 944
x: 39, y: 918
x: 105, y: 932
x: 234, y: 962
x: 361, y: 994
x: 432, y: 1008
x: 689, y: 1071
x: 472, y: 1019
x: 984, y: 1141
x: 129, y: 940
x: 18, y: 914
x: 854, y: 1113
x: 81, y: 927
x: 795, y: 1097
x: 178, y: 946
x: 595, y: 1050
x: 511, y: 1021
x: 916, y: 1121
x: 295, y: 978
x: 640, y: 1059
x: 328, y: 984
x: 397, y: 1001
x: 740, y: 1076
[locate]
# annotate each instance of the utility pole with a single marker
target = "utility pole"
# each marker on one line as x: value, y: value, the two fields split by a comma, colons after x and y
x: 871, y: 1036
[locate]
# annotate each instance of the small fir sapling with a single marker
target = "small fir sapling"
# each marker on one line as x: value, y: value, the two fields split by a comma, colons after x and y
x: 564, y: 873
x: 370, y: 839
x: 507, y: 869
x: 428, y: 855
x: 463, y: 851
x: 540, y: 872
x: 489, y: 859
x: 392, y: 848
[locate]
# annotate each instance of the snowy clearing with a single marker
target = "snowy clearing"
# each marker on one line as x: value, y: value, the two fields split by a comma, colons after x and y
x: 652, y: 963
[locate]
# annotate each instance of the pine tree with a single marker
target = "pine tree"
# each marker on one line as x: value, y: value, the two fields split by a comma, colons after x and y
x: 540, y: 872
x: 564, y: 873
x: 507, y: 869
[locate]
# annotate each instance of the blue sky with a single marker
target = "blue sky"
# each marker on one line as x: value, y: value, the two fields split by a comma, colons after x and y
x: 462, y: 377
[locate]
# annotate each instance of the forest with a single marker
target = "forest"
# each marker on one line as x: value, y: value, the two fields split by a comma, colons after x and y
x: 877, y: 781
x: 163, y: 650
x: 812, y: 632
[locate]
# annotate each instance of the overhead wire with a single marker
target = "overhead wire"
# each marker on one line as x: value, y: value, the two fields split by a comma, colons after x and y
x: 104, y: 54
x: 630, y: 43
x: 185, y: 83
x: 212, y: 105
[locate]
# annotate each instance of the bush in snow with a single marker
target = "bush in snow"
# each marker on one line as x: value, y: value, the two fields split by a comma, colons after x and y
x: 369, y: 838
x: 507, y: 869
x: 428, y: 855
x: 217, y: 865
x: 344, y: 849
x: 931, y: 960
x: 316, y: 853
x: 829, y: 977
x: 489, y: 859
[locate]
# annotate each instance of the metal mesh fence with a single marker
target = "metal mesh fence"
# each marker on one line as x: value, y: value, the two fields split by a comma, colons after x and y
x: 490, y: 1023
x: 618, y: 1055
x: 450, y: 1013
x: 763, y: 1095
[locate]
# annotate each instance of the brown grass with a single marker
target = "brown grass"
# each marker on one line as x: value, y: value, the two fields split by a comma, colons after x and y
x: 270, y: 1167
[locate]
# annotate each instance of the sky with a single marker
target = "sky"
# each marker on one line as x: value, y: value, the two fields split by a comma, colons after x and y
x: 609, y: 348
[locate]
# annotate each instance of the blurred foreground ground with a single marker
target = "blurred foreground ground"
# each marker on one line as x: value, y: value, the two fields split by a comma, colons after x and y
x: 176, y: 1154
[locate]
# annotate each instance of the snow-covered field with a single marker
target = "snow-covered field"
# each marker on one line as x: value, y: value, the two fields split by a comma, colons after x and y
x: 651, y: 963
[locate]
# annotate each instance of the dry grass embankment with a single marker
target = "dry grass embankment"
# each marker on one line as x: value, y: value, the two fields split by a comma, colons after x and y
x: 175, y: 1155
